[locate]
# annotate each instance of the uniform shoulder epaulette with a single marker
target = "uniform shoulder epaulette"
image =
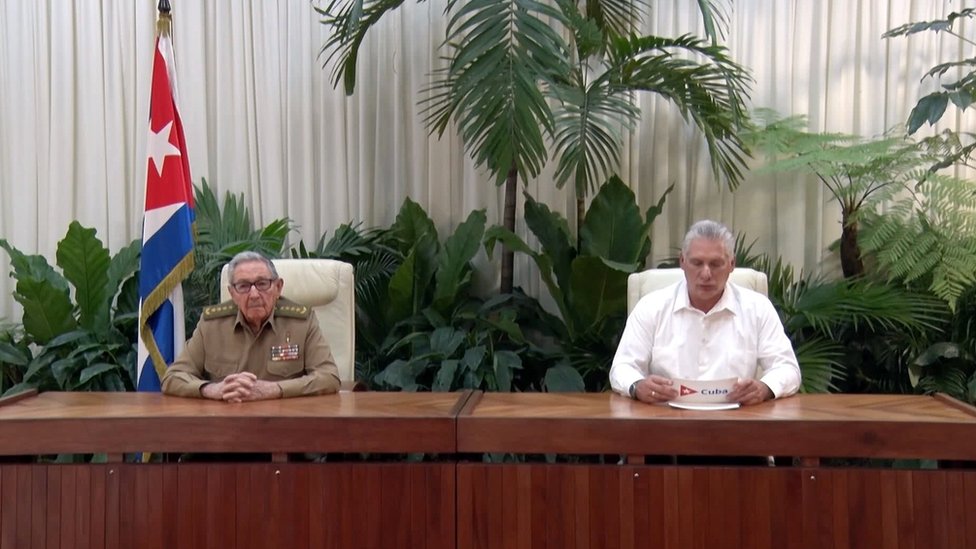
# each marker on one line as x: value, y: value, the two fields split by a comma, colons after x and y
x: 225, y: 309
x: 289, y: 309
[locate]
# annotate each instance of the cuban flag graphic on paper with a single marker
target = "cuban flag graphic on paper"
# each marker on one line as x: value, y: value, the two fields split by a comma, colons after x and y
x: 167, y: 230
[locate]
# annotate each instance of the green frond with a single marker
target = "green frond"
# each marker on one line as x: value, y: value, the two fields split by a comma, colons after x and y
x: 821, y: 364
x: 852, y: 168
x: 349, y: 20
x: 860, y: 303
x: 587, y: 137
x: 501, y: 54
x: 715, y: 17
x: 936, y: 25
x: 928, y: 237
x: 701, y: 80
x: 615, y: 17
x: 743, y: 252
x: 947, y: 380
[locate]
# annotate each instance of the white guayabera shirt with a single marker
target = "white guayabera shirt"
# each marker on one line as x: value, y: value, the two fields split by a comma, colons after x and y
x: 741, y: 337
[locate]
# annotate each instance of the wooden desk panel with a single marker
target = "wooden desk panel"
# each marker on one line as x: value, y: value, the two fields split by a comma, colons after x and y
x: 539, y: 506
x: 891, y: 426
x: 228, y: 505
x: 54, y: 422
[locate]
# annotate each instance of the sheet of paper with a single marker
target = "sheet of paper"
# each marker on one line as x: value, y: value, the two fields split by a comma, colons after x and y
x: 704, y: 406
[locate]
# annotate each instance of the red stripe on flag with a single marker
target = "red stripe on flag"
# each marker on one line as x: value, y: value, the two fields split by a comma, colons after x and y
x: 173, y: 186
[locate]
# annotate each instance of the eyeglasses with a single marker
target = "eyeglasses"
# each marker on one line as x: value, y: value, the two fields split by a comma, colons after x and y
x: 263, y: 285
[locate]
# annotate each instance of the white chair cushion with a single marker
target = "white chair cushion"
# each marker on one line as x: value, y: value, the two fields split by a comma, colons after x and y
x: 328, y: 287
x: 643, y: 283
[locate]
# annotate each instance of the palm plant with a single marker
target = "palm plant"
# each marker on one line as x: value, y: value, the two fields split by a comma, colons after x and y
x: 506, y: 59
x: 850, y: 334
x: 852, y: 169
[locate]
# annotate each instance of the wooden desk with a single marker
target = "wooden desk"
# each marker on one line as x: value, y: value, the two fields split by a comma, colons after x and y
x: 473, y: 505
x: 52, y: 423
x: 539, y: 505
x: 890, y: 426
x: 204, y: 505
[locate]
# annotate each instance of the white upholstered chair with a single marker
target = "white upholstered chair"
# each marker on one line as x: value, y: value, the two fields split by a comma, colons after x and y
x: 643, y: 283
x: 328, y: 287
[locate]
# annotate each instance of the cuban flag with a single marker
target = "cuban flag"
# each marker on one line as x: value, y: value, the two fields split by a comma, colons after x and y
x: 167, y: 230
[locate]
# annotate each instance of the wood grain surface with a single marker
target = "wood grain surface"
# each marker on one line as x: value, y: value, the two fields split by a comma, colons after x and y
x: 151, y: 422
x: 891, y: 426
x: 162, y: 506
x: 536, y: 506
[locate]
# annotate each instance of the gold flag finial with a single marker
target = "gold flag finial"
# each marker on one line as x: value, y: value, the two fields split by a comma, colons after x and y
x: 165, y: 20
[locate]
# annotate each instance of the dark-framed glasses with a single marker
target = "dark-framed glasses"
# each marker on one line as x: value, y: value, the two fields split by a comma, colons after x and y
x: 263, y: 285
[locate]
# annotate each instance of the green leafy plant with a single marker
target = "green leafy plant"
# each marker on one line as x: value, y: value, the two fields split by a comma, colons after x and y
x: 856, y: 335
x: 374, y: 255
x: 15, y: 354
x: 926, y: 240
x: 519, y: 72
x: 589, y: 283
x: 74, y: 340
x: 419, y: 326
x: 926, y: 235
x: 961, y: 91
x: 223, y: 231
x: 949, y: 364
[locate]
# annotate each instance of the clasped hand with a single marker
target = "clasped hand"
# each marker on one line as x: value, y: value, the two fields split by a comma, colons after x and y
x: 240, y: 387
x: 655, y: 388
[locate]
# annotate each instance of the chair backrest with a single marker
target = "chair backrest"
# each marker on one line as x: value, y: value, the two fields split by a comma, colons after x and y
x: 328, y: 287
x: 643, y: 283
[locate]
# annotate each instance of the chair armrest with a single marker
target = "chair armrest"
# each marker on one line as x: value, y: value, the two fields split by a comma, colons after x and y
x: 352, y: 386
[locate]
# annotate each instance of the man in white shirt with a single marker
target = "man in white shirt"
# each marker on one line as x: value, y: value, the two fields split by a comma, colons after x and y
x: 705, y: 328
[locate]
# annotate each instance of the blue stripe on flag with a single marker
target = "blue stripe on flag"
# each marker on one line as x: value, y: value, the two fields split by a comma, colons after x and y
x: 165, y: 249
x: 161, y: 324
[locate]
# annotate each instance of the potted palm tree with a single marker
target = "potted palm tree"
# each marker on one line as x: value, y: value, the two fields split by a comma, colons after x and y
x: 524, y: 80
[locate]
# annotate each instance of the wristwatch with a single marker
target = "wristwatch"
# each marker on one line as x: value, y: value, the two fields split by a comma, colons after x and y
x: 632, y: 391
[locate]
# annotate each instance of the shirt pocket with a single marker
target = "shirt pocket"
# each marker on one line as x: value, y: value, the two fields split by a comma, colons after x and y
x: 286, y: 368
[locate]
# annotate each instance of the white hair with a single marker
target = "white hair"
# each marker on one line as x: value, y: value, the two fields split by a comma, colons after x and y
x: 247, y: 257
x: 710, y: 230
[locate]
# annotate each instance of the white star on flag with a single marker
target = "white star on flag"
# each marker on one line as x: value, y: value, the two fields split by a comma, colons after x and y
x: 159, y: 146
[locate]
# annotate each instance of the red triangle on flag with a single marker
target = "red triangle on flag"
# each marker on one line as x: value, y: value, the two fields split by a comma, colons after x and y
x: 685, y: 390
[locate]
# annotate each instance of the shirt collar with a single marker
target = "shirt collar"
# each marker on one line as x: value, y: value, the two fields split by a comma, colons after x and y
x: 270, y: 322
x: 728, y: 302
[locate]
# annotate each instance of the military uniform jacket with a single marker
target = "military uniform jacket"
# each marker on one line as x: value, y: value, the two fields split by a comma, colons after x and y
x: 289, y: 349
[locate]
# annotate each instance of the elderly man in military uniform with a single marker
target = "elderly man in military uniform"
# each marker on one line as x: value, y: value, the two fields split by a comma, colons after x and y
x: 257, y: 346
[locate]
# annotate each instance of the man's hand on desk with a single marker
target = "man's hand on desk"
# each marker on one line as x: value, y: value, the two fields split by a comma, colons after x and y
x: 655, y: 388
x: 241, y: 387
x: 750, y: 391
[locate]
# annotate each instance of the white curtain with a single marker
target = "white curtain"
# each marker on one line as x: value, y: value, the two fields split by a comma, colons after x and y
x: 262, y: 118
